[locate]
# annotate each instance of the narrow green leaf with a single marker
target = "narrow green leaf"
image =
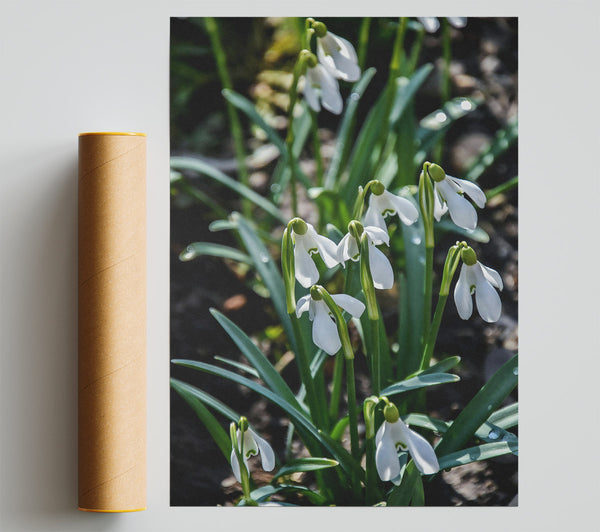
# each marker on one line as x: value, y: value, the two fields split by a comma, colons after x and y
x: 199, y: 166
x: 268, y: 271
x: 212, y: 425
x: 477, y: 453
x: 264, y: 492
x: 304, y: 464
x: 490, y: 433
x: 440, y: 367
x: 488, y: 399
x: 426, y: 422
x: 433, y: 127
x: 312, y: 437
x: 258, y: 360
x: 503, y: 139
x: 238, y: 365
x: 506, y: 417
x: 199, y: 249
x: 406, y: 89
x: 343, y: 135
x: 340, y: 427
x: 477, y: 234
x: 247, y: 107
x: 208, y: 400
x: 411, y: 294
x: 420, y: 381
x: 401, y: 495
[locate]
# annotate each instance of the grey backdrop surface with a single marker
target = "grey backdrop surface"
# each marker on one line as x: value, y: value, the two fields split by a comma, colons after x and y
x: 68, y: 67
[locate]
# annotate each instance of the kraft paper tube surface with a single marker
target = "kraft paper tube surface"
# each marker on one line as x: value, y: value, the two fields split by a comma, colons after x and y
x: 112, y: 322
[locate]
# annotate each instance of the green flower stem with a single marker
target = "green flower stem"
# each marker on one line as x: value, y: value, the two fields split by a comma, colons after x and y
x: 317, y: 413
x: 352, y: 410
x: 363, y: 41
x: 445, y: 81
x: 398, y: 51
x: 238, y: 447
x: 317, y: 147
x: 428, y: 291
x: 375, y: 357
x: 212, y: 28
x: 298, y: 69
x: 433, y: 331
x: 372, y: 492
x: 336, y: 388
x: 452, y: 262
x: 415, y: 51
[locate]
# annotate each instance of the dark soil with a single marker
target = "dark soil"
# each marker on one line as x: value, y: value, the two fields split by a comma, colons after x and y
x: 484, y: 63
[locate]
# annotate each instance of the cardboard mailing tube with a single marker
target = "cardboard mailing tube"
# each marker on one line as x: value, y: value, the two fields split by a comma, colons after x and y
x: 112, y: 322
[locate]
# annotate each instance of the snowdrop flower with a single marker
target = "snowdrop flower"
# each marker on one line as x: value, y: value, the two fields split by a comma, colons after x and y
x: 449, y: 195
x: 336, y: 54
x: 432, y: 24
x: 348, y: 248
x: 324, y: 330
x: 307, y: 242
x: 383, y: 203
x: 394, y: 435
x: 321, y: 86
x: 475, y: 277
x: 251, y: 444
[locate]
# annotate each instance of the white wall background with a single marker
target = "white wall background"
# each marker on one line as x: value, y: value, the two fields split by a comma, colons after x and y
x: 67, y: 67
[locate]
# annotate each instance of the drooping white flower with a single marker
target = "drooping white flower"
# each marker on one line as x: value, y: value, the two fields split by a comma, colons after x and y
x: 338, y: 56
x: 483, y: 281
x: 253, y: 444
x: 432, y: 24
x: 386, y: 203
x: 321, y: 87
x: 449, y: 195
x: 394, y: 436
x: 309, y: 243
x: 381, y: 269
x: 324, y: 330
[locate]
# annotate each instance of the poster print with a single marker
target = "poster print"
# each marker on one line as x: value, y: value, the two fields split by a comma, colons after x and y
x: 344, y: 261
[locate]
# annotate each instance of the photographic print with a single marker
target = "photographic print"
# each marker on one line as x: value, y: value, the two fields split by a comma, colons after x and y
x: 344, y: 261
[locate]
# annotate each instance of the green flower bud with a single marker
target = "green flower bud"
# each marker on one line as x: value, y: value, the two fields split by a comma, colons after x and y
x: 315, y: 292
x: 377, y: 188
x: 356, y: 229
x: 299, y: 226
x: 320, y: 29
x: 243, y: 424
x: 436, y: 172
x: 390, y: 413
x: 468, y: 256
x: 311, y: 60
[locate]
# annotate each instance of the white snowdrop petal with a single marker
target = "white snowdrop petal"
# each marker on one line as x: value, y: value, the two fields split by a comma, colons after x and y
x: 267, y: 455
x: 377, y: 235
x: 488, y: 301
x: 492, y: 276
x: 439, y: 204
x: 381, y: 269
x: 324, y: 330
x: 350, y: 304
x: 311, y: 94
x: 420, y: 450
x: 386, y: 457
x: 461, y: 211
x: 471, y: 190
x: 302, y: 305
x: 330, y: 91
x: 462, y: 294
x: 373, y: 217
x: 250, y: 446
x: 431, y: 24
x: 305, y: 268
x: 327, y: 249
x: 458, y: 22
x: 235, y: 466
x: 406, y: 211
